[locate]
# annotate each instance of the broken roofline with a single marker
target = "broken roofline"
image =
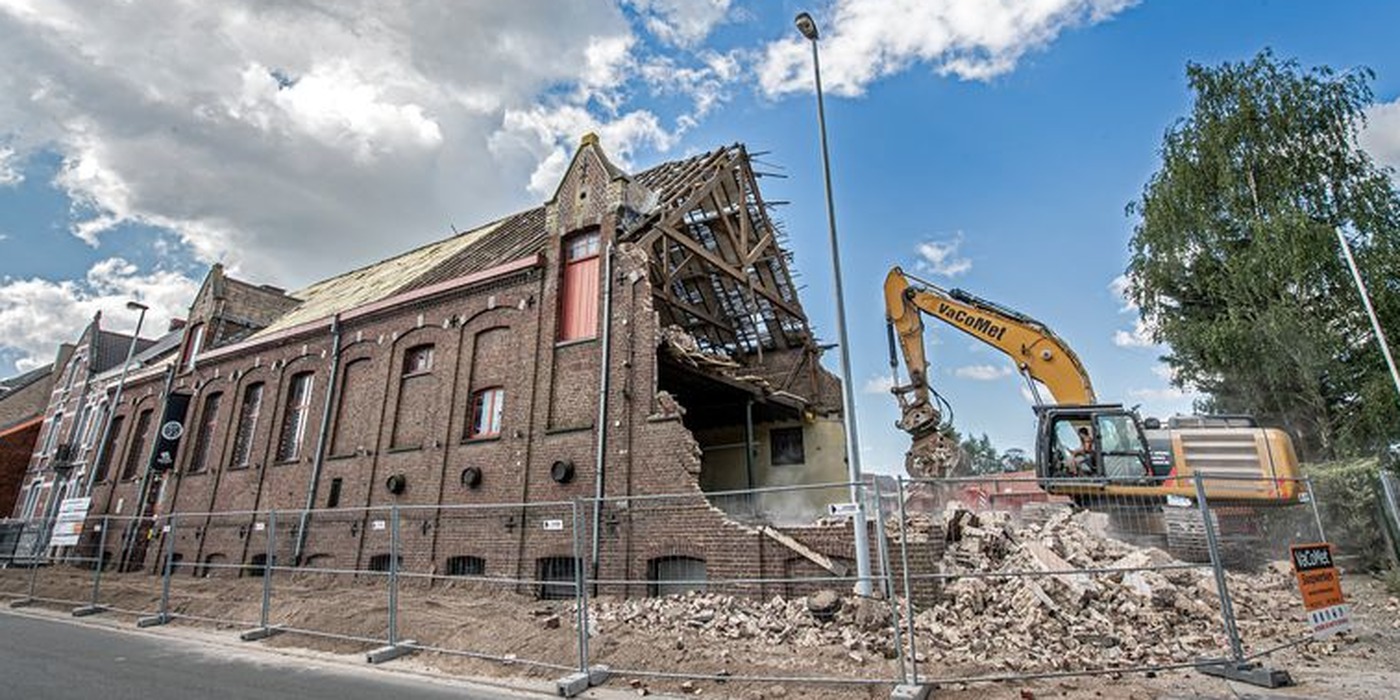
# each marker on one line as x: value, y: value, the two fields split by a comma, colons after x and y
x: 417, y: 295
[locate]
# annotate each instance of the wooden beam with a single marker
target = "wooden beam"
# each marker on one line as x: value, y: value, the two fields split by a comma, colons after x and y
x: 725, y: 267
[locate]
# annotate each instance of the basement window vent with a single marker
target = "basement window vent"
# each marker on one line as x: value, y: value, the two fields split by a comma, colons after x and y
x: 675, y: 575
x: 256, y: 565
x: 380, y: 562
x: 212, y: 563
x: 466, y: 566
x: 556, y: 577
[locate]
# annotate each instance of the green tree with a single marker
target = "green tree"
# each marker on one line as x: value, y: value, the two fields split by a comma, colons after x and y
x: 1235, y: 261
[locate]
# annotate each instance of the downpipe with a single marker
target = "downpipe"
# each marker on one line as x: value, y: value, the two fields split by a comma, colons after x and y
x: 320, y: 460
x: 604, y: 375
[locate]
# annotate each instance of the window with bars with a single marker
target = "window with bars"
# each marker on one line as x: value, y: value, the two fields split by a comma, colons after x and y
x: 556, y: 577
x: 466, y: 566
x: 486, y: 413
x: 380, y: 562
x: 248, y: 414
x: 208, y: 421
x: 786, y: 447
x: 578, y: 289
x: 137, y: 448
x: 298, y: 409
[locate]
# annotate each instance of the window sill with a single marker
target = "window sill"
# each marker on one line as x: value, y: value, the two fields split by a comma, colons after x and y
x: 475, y: 439
x: 419, y: 373
x: 335, y: 458
x: 405, y: 448
x: 569, y: 429
x: 285, y: 462
x: 576, y: 341
x: 237, y: 467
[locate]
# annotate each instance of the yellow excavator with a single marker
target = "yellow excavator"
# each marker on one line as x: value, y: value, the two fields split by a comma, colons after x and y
x: 1090, y: 451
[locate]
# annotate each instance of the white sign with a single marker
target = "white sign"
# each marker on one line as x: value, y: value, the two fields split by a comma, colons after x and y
x: 1329, y: 620
x: 72, y: 512
x: 842, y: 510
x: 553, y: 525
x: 259, y: 527
x: 376, y: 525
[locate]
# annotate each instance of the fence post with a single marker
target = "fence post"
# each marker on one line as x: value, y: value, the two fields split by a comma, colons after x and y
x: 1392, y: 511
x: 1317, y: 514
x: 394, y: 575
x: 166, y: 561
x: 93, y: 608
x: 580, y: 589
x: 908, y: 588
x: 888, y: 582
x: 269, y: 559
x: 1227, y: 608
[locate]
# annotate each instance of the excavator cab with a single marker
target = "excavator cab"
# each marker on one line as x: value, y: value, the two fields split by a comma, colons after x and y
x: 1116, y: 450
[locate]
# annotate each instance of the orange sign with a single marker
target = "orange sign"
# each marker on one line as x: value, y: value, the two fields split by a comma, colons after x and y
x: 1321, y: 585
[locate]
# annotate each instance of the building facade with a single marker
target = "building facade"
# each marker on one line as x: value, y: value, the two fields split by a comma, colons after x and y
x: 636, y: 335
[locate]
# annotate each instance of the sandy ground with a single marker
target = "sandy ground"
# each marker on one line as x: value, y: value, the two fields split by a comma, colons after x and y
x: 538, y: 640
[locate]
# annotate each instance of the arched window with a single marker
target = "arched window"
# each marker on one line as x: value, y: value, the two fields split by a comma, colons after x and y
x: 294, y: 418
x: 137, y: 449
x: 248, y: 414
x: 208, y: 421
x: 486, y: 409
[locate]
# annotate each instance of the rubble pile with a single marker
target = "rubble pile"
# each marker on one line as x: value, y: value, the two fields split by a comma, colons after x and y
x: 1061, y: 596
x: 1018, y: 597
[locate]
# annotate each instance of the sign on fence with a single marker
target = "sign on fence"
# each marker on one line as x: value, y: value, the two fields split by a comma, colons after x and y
x: 1321, y: 585
x: 842, y: 510
x: 69, y: 525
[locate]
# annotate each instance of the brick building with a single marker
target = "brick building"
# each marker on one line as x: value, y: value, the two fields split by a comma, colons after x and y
x: 637, y: 334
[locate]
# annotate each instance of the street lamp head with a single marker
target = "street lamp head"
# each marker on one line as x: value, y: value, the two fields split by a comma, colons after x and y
x: 807, y: 26
x: 136, y: 306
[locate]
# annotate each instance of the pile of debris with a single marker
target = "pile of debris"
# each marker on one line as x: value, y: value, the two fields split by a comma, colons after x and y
x: 1051, y: 596
x: 1062, y: 596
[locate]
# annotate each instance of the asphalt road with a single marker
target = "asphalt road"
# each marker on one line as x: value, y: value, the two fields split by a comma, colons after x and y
x: 42, y: 659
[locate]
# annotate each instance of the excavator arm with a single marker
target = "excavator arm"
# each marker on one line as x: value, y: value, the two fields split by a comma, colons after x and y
x: 1038, y: 353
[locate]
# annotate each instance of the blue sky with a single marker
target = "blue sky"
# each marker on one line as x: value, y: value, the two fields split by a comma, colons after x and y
x: 141, y: 142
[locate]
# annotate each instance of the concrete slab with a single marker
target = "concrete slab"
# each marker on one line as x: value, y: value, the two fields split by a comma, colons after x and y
x: 88, y: 610
x: 21, y: 603
x: 1253, y: 674
x: 572, y: 685
x: 911, y: 692
x: 152, y: 621
x: 254, y: 635
x: 382, y: 654
x: 598, y: 675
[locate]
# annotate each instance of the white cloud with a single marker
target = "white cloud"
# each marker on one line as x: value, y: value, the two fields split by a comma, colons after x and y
x: 982, y: 373
x: 681, y: 23
x: 1140, y: 336
x: 292, y: 140
x: 1381, y: 137
x: 1119, y: 288
x: 37, y: 314
x: 878, y: 385
x: 10, y: 173
x: 941, y: 257
x: 864, y: 40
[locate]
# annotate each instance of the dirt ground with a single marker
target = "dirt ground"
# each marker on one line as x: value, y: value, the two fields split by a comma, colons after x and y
x: 535, y: 641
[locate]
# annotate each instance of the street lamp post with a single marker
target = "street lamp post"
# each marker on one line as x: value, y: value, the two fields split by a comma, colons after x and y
x: 808, y: 27
x: 1370, y: 310
x: 116, y: 397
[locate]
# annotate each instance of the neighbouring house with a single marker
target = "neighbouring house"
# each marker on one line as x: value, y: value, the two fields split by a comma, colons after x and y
x: 636, y: 335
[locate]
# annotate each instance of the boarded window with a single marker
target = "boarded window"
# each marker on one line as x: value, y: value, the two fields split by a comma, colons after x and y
x: 786, y: 446
x: 466, y: 566
x: 417, y: 407
x: 137, y: 449
x: 675, y: 575
x: 247, y: 425
x: 256, y: 565
x: 294, y: 418
x: 556, y: 577
x: 578, y: 297
x: 352, y: 422
x: 208, y: 421
x: 333, y: 500
x: 105, y: 463
x: 486, y: 413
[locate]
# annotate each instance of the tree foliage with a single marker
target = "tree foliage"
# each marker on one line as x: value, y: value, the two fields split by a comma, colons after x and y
x: 1235, y: 258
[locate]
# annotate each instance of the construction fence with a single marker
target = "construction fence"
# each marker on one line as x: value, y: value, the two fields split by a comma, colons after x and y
x: 977, y: 579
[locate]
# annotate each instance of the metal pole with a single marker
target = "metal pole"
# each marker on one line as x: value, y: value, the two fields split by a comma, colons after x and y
x: 1370, y: 310
x: 843, y: 341
x: 112, y: 407
x: 169, y: 567
x: 269, y: 559
x: 888, y: 582
x: 748, y: 455
x: 1227, y: 608
x: 394, y: 575
x: 1317, y: 516
x: 580, y: 591
x: 101, y: 560
x: 604, y: 377
x: 908, y: 589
